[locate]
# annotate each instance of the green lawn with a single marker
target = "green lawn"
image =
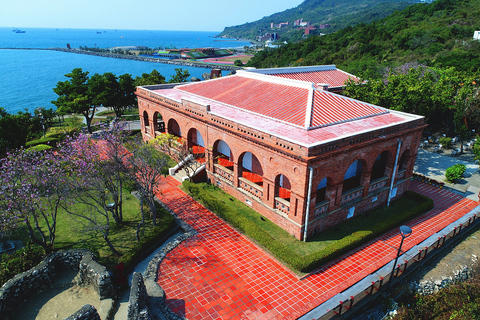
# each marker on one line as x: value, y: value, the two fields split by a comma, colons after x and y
x: 75, y: 232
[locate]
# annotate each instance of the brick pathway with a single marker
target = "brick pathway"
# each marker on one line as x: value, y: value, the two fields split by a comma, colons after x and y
x: 219, y: 274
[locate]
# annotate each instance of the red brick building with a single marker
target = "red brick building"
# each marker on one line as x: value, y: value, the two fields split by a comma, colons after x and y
x: 284, y: 143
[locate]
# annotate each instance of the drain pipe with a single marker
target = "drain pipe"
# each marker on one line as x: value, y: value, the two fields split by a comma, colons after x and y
x: 394, y: 172
x: 308, y: 204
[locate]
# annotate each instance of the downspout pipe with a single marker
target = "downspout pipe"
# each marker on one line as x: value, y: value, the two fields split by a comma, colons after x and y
x: 308, y: 204
x: 394, y: 172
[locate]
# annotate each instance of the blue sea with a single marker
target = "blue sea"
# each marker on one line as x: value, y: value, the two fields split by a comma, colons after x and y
x: 27, y: 77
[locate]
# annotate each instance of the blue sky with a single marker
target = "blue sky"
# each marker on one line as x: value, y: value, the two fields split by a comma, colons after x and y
x: 200, y: 15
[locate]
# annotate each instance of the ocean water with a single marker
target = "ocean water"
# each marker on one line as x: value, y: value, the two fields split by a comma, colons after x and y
x: 27, y: 77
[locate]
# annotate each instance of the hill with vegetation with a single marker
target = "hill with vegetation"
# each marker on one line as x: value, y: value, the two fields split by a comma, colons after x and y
x: 337, y: 13
x: 439, y: 34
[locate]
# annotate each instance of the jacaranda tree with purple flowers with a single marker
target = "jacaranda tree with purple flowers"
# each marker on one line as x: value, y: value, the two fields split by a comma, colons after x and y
x: 32, y: 188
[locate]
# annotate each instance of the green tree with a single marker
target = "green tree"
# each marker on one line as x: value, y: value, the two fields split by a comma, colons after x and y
x: 238, y: 63
x: 74, y: 95
x: 151, y: 78
x: 179, y: 76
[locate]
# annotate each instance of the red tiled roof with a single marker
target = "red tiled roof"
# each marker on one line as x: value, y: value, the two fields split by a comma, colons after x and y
x: 334, y: 78
x: 285, y: 102
x: 331, y: 108
x: 278, y: 101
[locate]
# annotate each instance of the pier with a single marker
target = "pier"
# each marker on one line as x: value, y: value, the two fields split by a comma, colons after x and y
x: 178, y: 62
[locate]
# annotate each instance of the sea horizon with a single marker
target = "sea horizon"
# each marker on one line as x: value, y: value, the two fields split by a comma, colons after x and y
x: 29, y: 76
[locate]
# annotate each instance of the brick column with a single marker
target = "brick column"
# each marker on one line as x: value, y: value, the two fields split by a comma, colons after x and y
x: 209, y: 159
x: 365, y: 182
x: 235, y: 175
x: 334, y: 195
x: 268, y: 193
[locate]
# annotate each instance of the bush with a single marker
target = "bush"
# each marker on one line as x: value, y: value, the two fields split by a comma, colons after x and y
x: 455, y: 173
x: 48, y: 140
x: 39, y: 147
x: 20, y: 261
x: 446, y: 142
x: 314, y: 260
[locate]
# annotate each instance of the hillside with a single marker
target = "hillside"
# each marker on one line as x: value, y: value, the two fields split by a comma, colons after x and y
x: 337, y: 13
x: 439, y: 34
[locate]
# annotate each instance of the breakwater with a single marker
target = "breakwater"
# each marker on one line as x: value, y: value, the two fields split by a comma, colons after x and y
x: 187, y: 63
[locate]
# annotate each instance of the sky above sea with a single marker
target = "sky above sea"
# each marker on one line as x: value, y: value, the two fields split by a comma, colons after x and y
x: 29, y: 76
x: 206, y: 15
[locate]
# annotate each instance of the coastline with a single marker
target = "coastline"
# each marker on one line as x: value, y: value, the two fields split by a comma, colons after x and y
x: 137, y: 58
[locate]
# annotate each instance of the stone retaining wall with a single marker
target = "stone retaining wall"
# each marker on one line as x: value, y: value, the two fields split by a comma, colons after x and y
x: 87, y: 312
x: 153, y: 302
x: 22, y: 287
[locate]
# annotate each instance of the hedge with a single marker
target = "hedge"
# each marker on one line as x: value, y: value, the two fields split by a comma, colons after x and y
x: 39, y: 147
x: 48, y: 140
x: 314, y: 260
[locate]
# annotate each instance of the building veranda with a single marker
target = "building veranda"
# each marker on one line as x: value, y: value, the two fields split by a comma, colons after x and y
x: 283, y: 142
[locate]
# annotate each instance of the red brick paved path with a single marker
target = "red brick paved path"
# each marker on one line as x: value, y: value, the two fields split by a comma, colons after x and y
x: 219, y: 274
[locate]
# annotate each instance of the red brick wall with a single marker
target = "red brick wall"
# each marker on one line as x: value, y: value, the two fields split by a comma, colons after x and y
x: 273, y: 156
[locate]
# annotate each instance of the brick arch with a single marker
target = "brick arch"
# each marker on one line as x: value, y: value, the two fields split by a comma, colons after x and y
x: 283, y: 186
x: 249, y: 167
x: 382, y: 165
x: 321, y: 188
x: 195, y: 138
x: 220, y: 154
x: 158, y: 123
x: 145, y: 119
x: 174, y: 128
x: 351, y: 181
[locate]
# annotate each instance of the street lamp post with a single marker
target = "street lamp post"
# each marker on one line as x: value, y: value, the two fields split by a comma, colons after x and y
x: 405, y: 232
x: 41, y: 120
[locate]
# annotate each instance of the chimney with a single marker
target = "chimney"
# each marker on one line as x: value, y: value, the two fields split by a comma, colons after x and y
x: 215, y: 73
x: 323, y: 86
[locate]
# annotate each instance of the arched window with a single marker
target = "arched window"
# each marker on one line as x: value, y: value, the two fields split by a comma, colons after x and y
x: 146, y: 122
x: 158, y: 122
x: 378, y: 168
x: 282, y: 187
x: 321, y: 190
x: 251, y: 169
x: 222, y: 154
x: 353, y: 176
x: 174, y: 128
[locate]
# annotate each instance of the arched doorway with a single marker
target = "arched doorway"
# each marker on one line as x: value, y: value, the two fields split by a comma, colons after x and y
x: 196, y: 145
x: 222, y: 154
x: 159, y: 125
x: 146, y: 122
x: 174, y: 128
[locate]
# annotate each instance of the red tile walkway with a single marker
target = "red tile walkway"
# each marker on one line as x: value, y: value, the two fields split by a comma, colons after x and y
x: 219, y: 274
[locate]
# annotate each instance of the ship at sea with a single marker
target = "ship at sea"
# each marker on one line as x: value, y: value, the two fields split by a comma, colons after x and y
x: 18, y: 30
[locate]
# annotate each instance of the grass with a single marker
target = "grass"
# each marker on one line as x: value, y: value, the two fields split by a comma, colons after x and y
x: 303, y: 257
x: 74, y: 232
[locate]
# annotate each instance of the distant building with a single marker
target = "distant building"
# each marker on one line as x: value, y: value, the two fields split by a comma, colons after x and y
x: 324, y: 26
x: 283, y: 143
x: 268, y: 37
x: 301, y: 23
x: 476, y: 35
x: 278, y: 25
x: 308, y: 30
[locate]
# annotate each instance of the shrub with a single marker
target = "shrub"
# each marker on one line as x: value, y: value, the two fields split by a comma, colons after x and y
x: 446, y: 142
x: 39, y: 147
x: 48, y: 140
x: 20, y: 261
x: 455, y: 172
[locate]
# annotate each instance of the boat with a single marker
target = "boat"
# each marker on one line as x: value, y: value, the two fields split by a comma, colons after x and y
x: 99, y: 32
x: 19, y: 31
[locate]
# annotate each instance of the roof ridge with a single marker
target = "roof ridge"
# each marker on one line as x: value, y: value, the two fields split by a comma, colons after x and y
x: 309, y: 108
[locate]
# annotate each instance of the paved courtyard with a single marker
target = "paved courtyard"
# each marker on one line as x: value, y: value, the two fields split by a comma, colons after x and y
x: 220, y: 274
